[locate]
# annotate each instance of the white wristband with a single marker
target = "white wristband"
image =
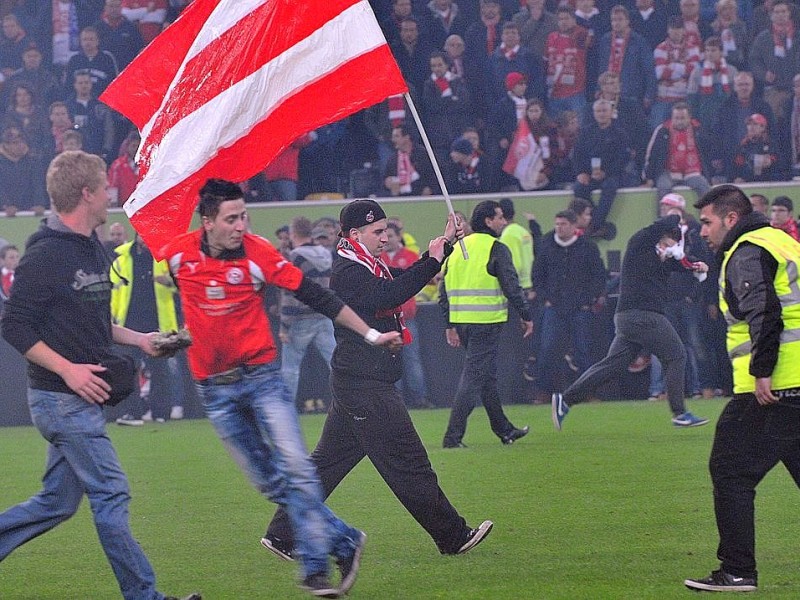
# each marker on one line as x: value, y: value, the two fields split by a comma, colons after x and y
x: 372, y: 336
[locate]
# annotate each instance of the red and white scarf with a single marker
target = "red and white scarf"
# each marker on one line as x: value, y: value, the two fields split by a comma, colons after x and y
x: 707, y: 76
x: 618, y: 47
x: 509, y: 53
x: 782, y: 38
x: 397, y: 110
x: 684, y: 157
x: 406, y: 173
x: 443, y: 83
x: 350, y: 249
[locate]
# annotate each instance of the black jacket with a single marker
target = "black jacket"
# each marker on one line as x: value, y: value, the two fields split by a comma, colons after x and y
x: 62, y: 297
x: 644, y: 276
x: 658, y: 151
x: 373, y: 299
x: 568, y: 277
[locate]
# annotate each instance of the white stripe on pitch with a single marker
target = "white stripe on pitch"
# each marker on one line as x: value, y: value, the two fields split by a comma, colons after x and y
x: 232, y: 114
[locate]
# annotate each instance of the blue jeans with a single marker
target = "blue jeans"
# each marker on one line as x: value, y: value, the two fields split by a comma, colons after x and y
x: 80, y: 460
x: 574, y: 327
x: 284, y: 190
x: 257, y: 422
x: 303, y: 333
x: 413, y: 381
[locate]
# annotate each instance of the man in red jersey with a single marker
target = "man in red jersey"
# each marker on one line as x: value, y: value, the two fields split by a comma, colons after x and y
x: 222, y: 272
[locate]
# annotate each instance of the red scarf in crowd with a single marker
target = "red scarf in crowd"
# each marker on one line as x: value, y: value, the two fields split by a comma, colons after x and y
x: 782, y: 37
x: 491, y: 33
x: 509, y: 53
x: 618, y: 47
x: 397, y: 110
x: 684, y: 157
x: 406, y: 173
x: 443, y: 83
x: 707, y: 76
x: 350, y: 249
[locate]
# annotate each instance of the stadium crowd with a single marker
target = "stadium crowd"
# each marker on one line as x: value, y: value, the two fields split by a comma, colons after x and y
x: 514, y: 95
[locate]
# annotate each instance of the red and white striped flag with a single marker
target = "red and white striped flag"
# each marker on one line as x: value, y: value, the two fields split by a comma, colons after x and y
x: 231, y: 83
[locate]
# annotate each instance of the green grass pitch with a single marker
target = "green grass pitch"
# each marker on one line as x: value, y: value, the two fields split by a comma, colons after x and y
x: 617, y: 506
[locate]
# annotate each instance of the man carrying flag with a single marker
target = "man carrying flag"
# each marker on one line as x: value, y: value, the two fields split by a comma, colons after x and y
x: 222, y: 272
x: 367, y: 415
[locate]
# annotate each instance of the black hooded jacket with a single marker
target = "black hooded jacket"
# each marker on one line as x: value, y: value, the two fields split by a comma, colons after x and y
x: 62, y: 295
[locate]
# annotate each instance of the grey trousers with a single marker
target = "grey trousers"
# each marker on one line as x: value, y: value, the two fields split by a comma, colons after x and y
x: 637, y: 330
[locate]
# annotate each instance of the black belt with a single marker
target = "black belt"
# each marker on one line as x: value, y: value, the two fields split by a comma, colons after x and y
x: 231, y: 376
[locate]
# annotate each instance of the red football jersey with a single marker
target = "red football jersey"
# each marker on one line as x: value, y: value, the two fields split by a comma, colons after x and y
x: 223, y: 301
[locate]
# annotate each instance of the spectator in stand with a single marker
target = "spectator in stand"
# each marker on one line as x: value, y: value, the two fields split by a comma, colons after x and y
x: 9, y: 260
x: 401, y: 9
x: 696, y: 28
x: 781, y: 216
x: 38, y: 78
x: 91, y: 117
x: 535, y: 25
x: 566, y: 64
x: 472, y: 171
x: 481, y: 39
x: 600, y: 157
x: 301, y: 327
x: 412, y: 384
x: 382, y: 117
x: 60, y: 123
x: 760, y: 203
x: 511, y: 57
x: 732, y: 31
x: 588, y: 16
x: 446, y: 107
x: 409, y: 171
x: 454, y: 49
x: 123, y: 174
x: 731, y: 123
x: 412, y: 53
x: 99, y: 64
x: 568, y: 277
x: 792, y: 111
x: 530, y: 159
x: 711, y: 84
x: 444, y: 18
x: 502, y: 123
x: 629, y: 115
x: 61, y: 24
x: 25, y: 112
x: 757, y: 158
x: 12, y: 45
x: 627, y: 54
x: 567, y: 130
x: 774, y: 58
x: 650, y: 21
x: 281, y: 173
x: 118, y: 35
x: 21, y: 175
x: 676, y: 154
x: 148, y: 15
x: 761, y: 17
x: 675, y: 59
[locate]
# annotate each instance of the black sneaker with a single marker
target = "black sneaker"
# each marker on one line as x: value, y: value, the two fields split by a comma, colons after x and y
x: 514, y: 435
x: 348, y: 567
x: 319, y: 585
x: 474, y: 537
x: 720, y: 581
x: 448, y: 444
x: 277, y: 546
x: 194, y: 596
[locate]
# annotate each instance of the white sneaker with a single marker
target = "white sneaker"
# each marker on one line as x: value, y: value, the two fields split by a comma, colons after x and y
x: 129, y: 421
x: 176, y: 414
x: 148, y: 416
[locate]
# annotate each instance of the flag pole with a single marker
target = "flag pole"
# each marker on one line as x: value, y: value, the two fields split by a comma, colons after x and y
x: 435, y: 164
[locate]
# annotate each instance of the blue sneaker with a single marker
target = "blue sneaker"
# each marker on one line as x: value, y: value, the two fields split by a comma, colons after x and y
x: 687, y: 419
x: 559, y: 410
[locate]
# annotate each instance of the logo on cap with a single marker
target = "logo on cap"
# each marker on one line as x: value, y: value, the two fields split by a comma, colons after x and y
x: 370, y: 217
